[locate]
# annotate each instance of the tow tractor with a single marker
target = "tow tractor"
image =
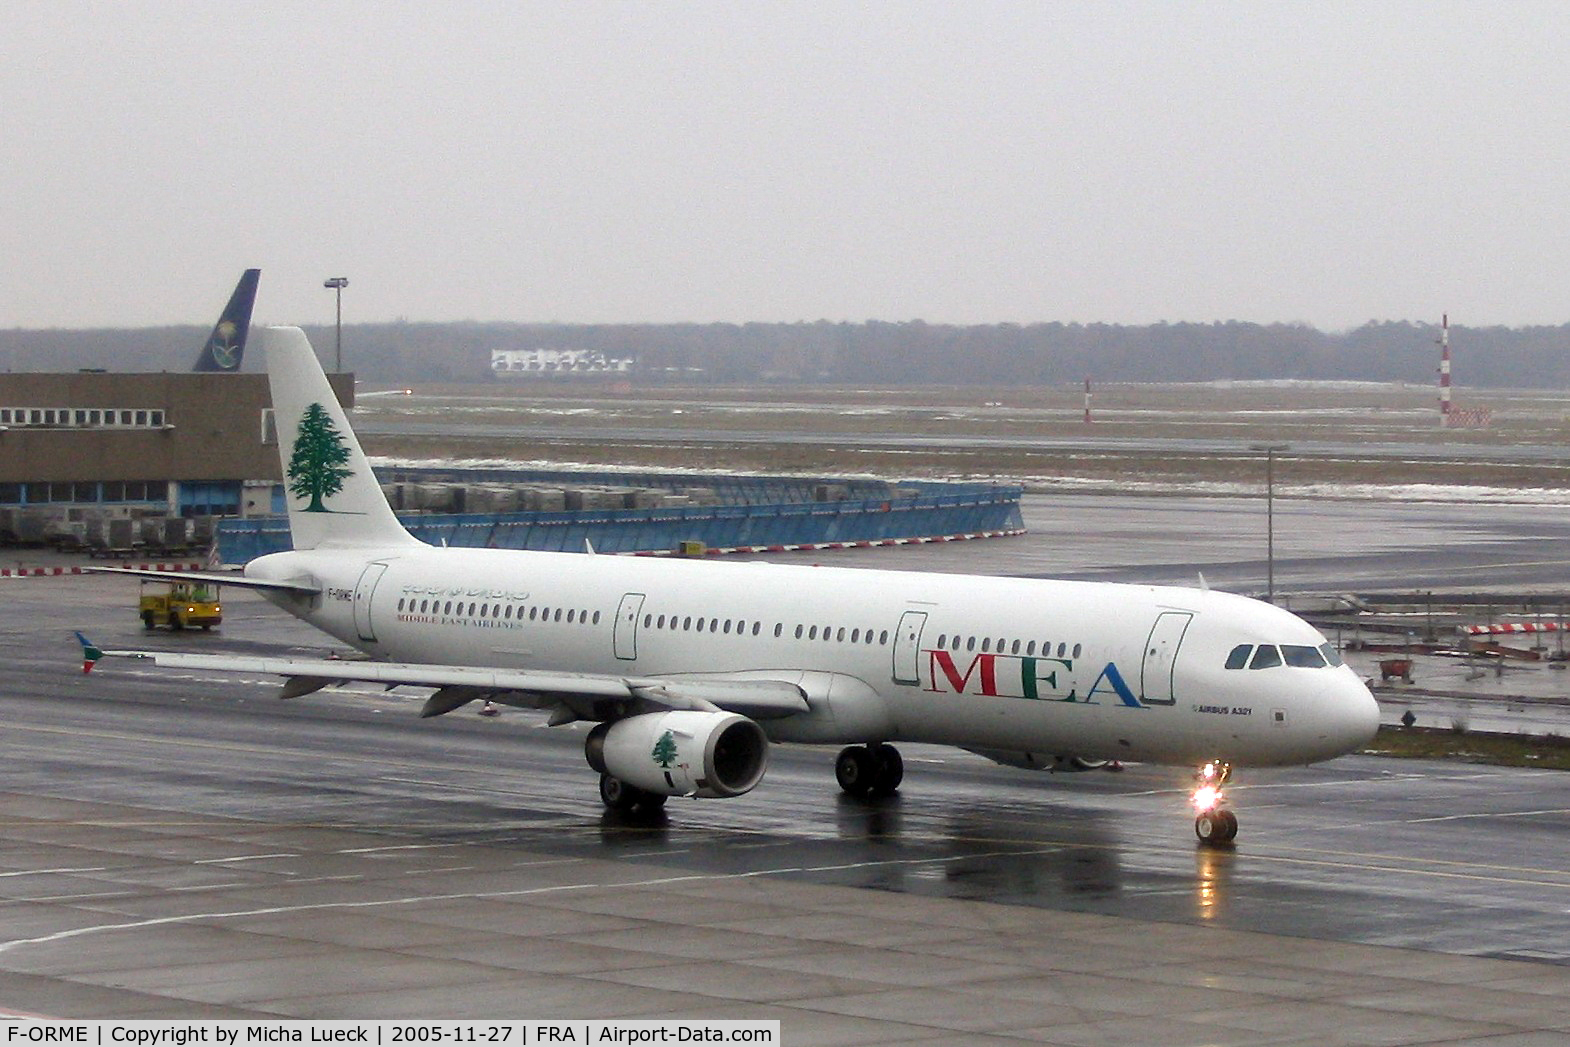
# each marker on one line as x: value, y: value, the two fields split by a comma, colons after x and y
x: 179, y: 604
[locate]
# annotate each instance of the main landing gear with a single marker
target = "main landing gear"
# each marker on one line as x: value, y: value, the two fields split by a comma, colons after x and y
x: 619, y: 796
x: 1213, y: 821
x: 874, y: 769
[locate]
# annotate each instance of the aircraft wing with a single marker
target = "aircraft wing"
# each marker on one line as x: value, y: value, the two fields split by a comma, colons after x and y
x: 239, y: 581
x: 570, y: 696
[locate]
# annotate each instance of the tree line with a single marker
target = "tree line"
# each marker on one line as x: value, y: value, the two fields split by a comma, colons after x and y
x: 877, y: 352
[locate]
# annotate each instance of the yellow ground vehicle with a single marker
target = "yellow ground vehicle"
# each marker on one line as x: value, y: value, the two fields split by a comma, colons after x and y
x: 180, y: 604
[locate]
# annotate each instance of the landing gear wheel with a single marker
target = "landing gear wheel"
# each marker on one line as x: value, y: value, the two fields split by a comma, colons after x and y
x: 1218, y: 826
x: 869, y: 770
x: 854, y: 770
x: 618, y: 795
x: 888, y: 772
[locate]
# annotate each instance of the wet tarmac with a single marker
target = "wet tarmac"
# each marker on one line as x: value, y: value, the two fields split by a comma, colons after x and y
x: 183, y: 845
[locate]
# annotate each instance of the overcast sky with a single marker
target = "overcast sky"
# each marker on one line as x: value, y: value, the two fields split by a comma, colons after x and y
x: 974, y: 162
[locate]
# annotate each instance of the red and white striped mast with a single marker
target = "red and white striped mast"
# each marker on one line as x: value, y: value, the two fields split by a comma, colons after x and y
x: 1444, y: 370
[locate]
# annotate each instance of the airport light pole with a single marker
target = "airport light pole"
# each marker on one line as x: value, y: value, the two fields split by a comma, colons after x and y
x: 1270, y: 451
x: 338, y: 283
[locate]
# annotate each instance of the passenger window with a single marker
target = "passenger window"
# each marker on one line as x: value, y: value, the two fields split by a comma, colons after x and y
x: 1030, y: 648
x: 1077, y: 650
x: 883, y: 637
x: 1300, y: 657
x: 840, y: 635
x: 1266, y: 657
x: 812, y: 634
x: 970, y: 643
x: 1239, y: 656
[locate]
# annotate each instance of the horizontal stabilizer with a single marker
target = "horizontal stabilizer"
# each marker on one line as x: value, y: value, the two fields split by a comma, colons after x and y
x: 239, y: 581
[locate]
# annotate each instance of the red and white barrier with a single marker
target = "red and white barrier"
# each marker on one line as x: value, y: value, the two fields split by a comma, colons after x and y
x: 817, y: 546
x: 51, y: 572
x: 1509, y: 628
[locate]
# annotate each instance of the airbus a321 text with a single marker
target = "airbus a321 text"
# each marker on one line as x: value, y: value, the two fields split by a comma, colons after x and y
x: 689, y: 670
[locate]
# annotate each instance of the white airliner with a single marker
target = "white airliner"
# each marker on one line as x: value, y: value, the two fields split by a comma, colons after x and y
x: 690, y: 669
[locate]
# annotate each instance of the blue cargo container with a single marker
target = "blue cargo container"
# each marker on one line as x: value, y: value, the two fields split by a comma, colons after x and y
x: 756, y: 513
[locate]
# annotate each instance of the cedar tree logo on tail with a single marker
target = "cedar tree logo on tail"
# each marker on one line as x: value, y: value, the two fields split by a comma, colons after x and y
x: 316, y: 469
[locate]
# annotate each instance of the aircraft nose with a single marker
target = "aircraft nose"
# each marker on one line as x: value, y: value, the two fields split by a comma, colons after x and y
x: 1356, y: 715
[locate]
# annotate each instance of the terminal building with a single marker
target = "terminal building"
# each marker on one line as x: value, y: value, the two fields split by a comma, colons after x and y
x: 89, y: 445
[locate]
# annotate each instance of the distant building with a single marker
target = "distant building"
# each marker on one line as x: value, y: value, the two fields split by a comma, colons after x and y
x: 180, y: 444
x: 558, y: 363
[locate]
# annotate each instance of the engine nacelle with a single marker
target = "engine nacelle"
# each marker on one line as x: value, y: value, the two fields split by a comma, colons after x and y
x: 681, y: 753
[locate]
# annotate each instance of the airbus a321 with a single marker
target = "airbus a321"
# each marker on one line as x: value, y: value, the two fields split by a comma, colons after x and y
x: 689, y: 670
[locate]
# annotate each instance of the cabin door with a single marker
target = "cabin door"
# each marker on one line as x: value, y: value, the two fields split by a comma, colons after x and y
x: 1161, y: 650
x: 907, y: 647
x: 626, y: 638
x: 363, y: 591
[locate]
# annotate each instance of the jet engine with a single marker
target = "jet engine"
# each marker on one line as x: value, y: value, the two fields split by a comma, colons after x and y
x: 681, y: 753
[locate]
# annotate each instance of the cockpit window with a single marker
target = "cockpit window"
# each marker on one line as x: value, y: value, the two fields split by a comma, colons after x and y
x: 1332, y: 656
x: 1302, y: 657
x: 1239, y: 656
x: 1265, y: 657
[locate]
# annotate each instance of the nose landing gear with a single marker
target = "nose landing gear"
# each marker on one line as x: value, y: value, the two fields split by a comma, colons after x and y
x: 1213, y: 821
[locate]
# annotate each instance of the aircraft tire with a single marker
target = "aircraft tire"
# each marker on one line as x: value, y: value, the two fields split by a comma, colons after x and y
x: 888, y: 770
x: 618, y: 795
x: 1219, y: 826
x: 855, y: 770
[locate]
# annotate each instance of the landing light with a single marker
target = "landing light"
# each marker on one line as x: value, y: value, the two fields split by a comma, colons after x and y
x: 1207, y: 798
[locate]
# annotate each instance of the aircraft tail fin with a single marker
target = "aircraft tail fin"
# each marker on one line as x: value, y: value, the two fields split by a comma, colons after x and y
x: 333, y: 497
x: 226, y: 345
x: 91, y: 653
